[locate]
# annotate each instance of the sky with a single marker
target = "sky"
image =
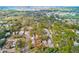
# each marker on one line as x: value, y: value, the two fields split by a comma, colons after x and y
x: 39, y: 2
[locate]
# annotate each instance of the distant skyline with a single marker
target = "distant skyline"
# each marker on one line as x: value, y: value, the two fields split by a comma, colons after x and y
x: 33, y: 7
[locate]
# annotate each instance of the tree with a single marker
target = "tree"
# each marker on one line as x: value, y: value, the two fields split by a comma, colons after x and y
x: 63, y: 37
